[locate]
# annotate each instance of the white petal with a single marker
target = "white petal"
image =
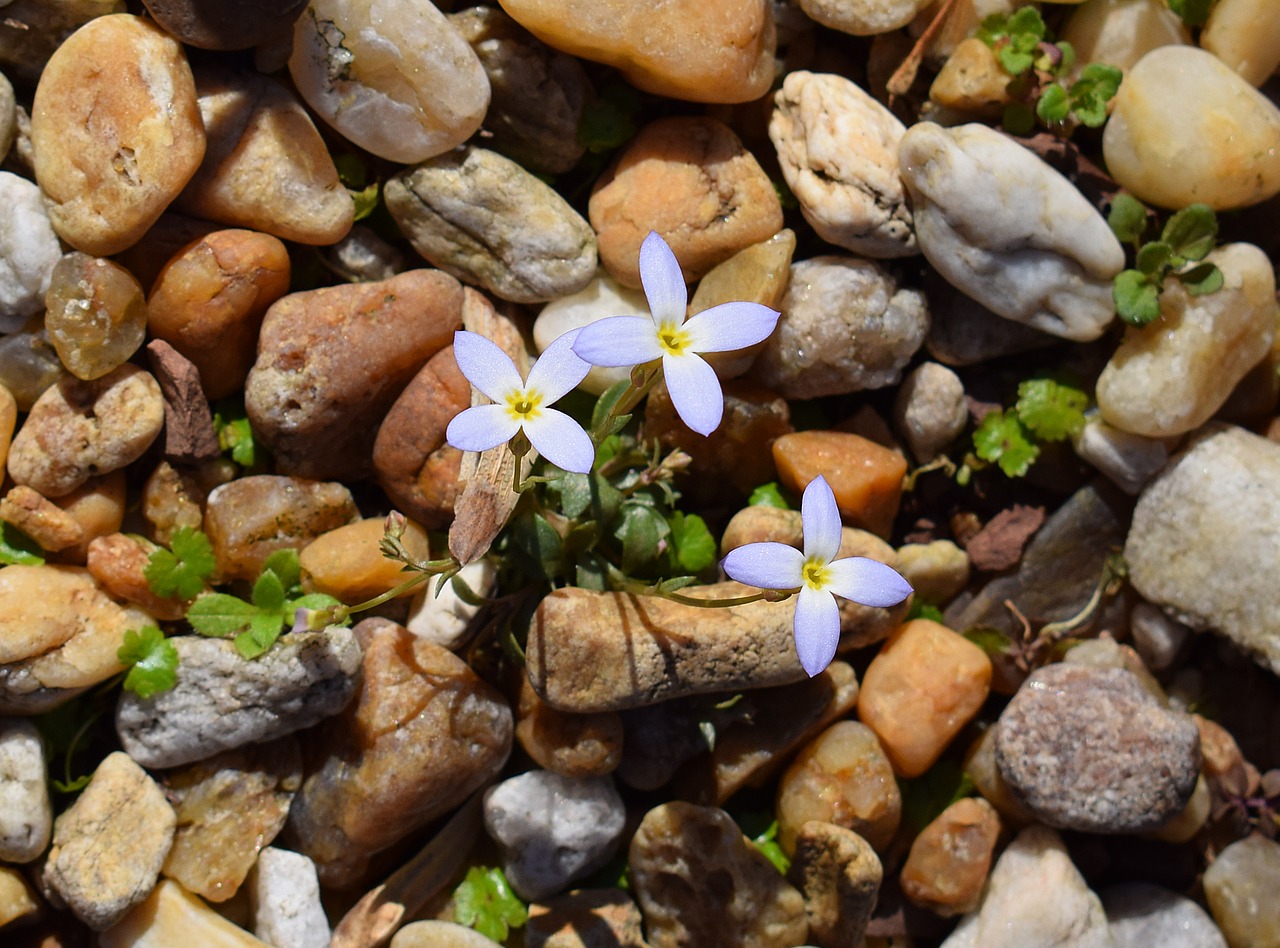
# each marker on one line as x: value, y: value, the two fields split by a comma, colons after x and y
x: 486, y: 366
x: 561, y: 440
x: 481, y: 427
x: 730, y: 326
x: 867, y: 581
x: 821, y: 520
x: 695, y: 391
x: 618, y: 340
x: 663, y: 282
x: 558, y: 370
x: 766, y: 565
x: 817, y: 629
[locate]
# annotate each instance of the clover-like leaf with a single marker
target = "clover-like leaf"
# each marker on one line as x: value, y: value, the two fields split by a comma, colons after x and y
x: 235, y: 434
x: 1127, y: 218
x: 286, y: 565
x: 1192, y: 232
x: 1136, y: 297
x: 182, y: 570
x: 770, y: 495
x: 1097, y: 85
x: 484, y: 901
x: 1002, y: 439
x: 1050, y: 409
x: 1201, y: 279
x: 695, y: 547
x: 153, y: 661
x: 1053, y: 105
x: 1154, y: 257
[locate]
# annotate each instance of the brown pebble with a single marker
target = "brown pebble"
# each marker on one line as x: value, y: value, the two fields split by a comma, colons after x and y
x: 40, y: 519
x: 118, y: 562
x: 188, y: 423
x: 347, y: 562
x: 865, y: 477
x: 839, y: 874
x: 949, y: 861
x: 574, y: 745
x: 999, y: 544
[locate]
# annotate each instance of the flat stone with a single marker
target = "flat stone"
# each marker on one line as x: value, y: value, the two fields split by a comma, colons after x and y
x: 947, y: 866
x: 26, y: 815
x: 348, y: 564
x: 1141, y: 914
x: 865, y: 477
x: 173, y: 916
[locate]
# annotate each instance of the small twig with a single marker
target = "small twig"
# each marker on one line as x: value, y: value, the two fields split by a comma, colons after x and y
x: 905, y: 75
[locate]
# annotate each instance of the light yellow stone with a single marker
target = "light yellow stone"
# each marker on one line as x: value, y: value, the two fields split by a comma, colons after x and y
x: 347, y: 563
x: 1120, y: 32
x: 1193, y: 816
x: 1240, y: 890
x: 1245, y: 34
x: 937, y: 571
x: 173, y: 916
x: 8, y: 419
x: 16, y: 898
x: 971, y: 80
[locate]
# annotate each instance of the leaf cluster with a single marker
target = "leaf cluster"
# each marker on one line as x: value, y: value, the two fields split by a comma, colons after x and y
x: 1047, y: 409
x: 484, y: 901
x: 1193, y: 12
x: 182, y: 570
x: 1179, y: 252
x: 152, y: 659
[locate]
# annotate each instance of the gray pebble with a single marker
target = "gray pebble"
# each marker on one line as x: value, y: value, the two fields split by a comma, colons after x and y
x: 1142, y: 915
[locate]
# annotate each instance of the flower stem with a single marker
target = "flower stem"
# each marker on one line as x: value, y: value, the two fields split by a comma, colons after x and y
x: 643, y: 378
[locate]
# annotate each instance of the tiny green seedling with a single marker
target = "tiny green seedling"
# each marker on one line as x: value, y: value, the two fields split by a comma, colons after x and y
x: 1047, y: 410
x: 1186, y: 239
x: 152, y: 659
x: 484, y: 901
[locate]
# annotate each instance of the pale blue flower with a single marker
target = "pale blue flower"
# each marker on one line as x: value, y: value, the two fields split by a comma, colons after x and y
x: 664, y: 334
x: 521, y: 405
x: 818, y: 576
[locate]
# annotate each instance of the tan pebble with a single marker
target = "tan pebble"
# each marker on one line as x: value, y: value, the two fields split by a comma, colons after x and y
x: 971, y: 80
x: 347, y: 562
x: 1237, y: 887
x: 116, y: 131
x: 1121, y: 32
x: 266, y: 167
x: 42, y: 520
x: 17, y: 900
x: 574, y: 745
x: 173, y: 916
x: 840, y: 876
x: 924, y: 685
x: 691, y: 180
x: 8, y: 421
x: 249, y: 519
x: 1218, y: 748
x: 1245, y: 34
x: 437, y: 933
x: 865, y: 477
x: 863, y: 17
x: 762, y: 524
x: 98, y: 507
x: 171, y: 499
x: 117, y: 563
x: 1183, y: 827
x: 209, y: 299
x: 937, y: 571
x: 701, y: 50
x: 842, y: 777
x: 95, y: 314
x: 80, y: 429
x: 950, y: 859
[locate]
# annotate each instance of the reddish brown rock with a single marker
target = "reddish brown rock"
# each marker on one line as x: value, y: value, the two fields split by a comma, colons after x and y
x: 188, y: 423
x: 950, y: 859
x: 574, y: 745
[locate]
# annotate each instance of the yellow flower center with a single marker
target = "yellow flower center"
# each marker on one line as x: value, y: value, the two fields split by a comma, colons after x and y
x: 672, y: 338
x: 815, y: 574
x: 524, y: 406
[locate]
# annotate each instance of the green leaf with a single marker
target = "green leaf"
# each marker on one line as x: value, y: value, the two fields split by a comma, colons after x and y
x: 284, y: 563
x: 183, y: 570
x: 235, y: 435
x: 1128, y: 218
x: 365, y: 200
x: 18, y: 549
x: 609, y: 120
x: 154, y: 661
x: 1028, y: 22
x: 769, y: 495
x: 484, y: 901
x: 695, y: 546
x: 1201, y: 279
x: 264, y: 629
x: 1051, y: 410
x: 1154, y: 257
x: 575, y: 494
x: 1193, y: 12
x: 1014, y: 61
x: 1068, y: 60
x: 268, y: 592
x: 1137, y: 297
x: 641, y: 530
x: 310, y: 601
x: 1097, y: 85
x: 74, y: 786
x: 1002, y: 439
x: 535, y: 536
x: 219, y: 615
x: 1053, y: 105
x: 924, y: 610
x: 1191, y: 232
x: 926, y: 796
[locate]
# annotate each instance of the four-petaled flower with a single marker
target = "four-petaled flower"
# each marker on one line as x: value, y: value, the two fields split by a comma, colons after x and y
x: 522, y: 405
x: 817, y: 574
x: 636, y: 340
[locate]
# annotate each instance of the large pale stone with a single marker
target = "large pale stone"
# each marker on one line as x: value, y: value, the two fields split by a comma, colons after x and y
x: 173, y: 916
x: 1185, y: 128
x: 863, y: 17
x: 29, y: 250
x: 1237, y: 887
x: 1006, y: 229
x: 1120, y: 32
x: 1245, y: 34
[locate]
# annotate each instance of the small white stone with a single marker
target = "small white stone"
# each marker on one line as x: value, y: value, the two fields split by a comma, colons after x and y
x: 1128, y: 460
x: 930, y: 410
x: 601, y: 298
x: 1143, y: 915
x: 285, y: 895
x: 29, y: 249
x: 1245, y: 34
x: 26, y: 816
x: 443, y: 619
x: 863, y: 17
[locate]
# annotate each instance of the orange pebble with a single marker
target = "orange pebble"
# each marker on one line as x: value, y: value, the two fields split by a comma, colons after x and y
x: 865, y: 477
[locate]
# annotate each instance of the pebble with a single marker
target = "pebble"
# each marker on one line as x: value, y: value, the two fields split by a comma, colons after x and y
x: 332, y: 361
x: 109, y: 844
x: 221, y: 702
x: 42, y: 520
x: 1238, y: 887
x: 1160, y: 640
x: 218, y: 24
x: 347, y: 561
x: 58, y: 635
x: 8, y: 421
x: 8, y: 116
x: 250, y: 518
x: 699, y: 882
x: 394, y: 78
x: 947, y: 866
x: 96, y: 314
x: 79, y: 429
x: 209, y: 299
x: 971, y: 81
x: 364, y: 257
x: 116, y: 135
x: 26, y: 815
x: 436, y: 933
x: 603, y: 651
x: 841, y: 777
x: 937, y: 571
x: 838, y: 150
x: 1245, y: 35
x: 1035, y: 896
x: 690, y: 179
x: 586, y: 918
x: 423, y: 733
x: 17, y: 900
x: 1194, y: 544
x: 601, y: 298
x: 1170, y: 376
x: 553, y: 829
x: 228, y: 808
x: 925, y: 684
x: 445, y: 619
x: 1140, y: 915
x: 1121, y: 32
x: 266, y: 168
x: 847, y: 325
x: 537, y: 93
x: 865, y: 477
x: 1224, y: 149
x: 840, y: 877
x: 1047, y: 264
x: 489, y: 222
x: 1128, y: 460
x: 964, y: 332
x: 285, y: 895
x: 29, y: 250
x: 171, y: 915
x: 1089, y: 749
x: 710, y: 51
x: 929, y: 410
x: 573, y: 745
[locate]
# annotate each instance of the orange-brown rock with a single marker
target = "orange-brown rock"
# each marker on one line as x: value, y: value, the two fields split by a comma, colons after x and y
x: 865, y: 477
x: 575, y: 745
x: 347, y: 562
x: 949, y: 860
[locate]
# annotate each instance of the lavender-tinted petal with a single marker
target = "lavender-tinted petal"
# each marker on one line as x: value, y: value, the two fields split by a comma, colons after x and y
x: 485, y: 366
x: 867, y: 581
x: 481, y: 427
x: 695, y: 391
x: 561, y: 440
x: 663, y: 282
x: 817, y: 629
x: 766, y: 565
x: 821, y: 519
x: 730, y: 326
x: 558, y: 370
x: 618, y: 340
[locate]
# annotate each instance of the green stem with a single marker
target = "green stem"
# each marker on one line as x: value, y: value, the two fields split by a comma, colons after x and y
x: 642, y: 381
x: 629, y: 585
x: 424, y: 572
